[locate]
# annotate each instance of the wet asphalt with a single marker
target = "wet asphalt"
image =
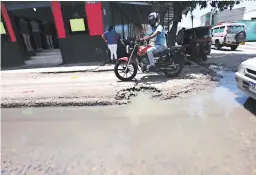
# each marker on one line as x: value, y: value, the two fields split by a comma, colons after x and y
x: 213, y: 133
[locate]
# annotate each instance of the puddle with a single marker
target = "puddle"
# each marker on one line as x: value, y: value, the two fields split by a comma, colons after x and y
x: 226, y: 97
x: 227, y: 88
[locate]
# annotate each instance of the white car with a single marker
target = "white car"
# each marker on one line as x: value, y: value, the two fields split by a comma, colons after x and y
x: 246, y: 77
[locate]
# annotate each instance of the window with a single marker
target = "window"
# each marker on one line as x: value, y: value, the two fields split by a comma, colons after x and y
x: 235, y: 29
x: 239, y: 28
x: 215, y: 30
x: 221, y: 30
x: 231, y: 29
x: 202, y: 32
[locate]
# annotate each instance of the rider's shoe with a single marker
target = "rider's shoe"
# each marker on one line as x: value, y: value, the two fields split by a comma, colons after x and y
x: 151, y: 68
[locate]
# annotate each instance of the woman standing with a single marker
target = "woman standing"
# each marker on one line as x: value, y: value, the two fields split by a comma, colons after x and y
x: 111, y: 39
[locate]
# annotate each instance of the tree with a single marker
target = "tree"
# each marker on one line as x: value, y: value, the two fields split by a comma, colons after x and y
x: 183, y: 7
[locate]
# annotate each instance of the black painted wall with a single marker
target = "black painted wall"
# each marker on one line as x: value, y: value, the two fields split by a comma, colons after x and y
x: 10, y: 51
x: 10, y: 54
x: 82, y: 48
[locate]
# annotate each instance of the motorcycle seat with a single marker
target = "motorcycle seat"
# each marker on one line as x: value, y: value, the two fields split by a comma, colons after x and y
x: 163, y: 53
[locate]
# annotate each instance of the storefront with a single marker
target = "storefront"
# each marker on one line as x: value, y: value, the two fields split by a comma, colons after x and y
x: 76, y: 31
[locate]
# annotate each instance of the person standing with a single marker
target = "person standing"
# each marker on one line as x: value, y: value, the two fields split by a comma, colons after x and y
x: 48, y: 34
x: 23, y: 26
x: 36, y: 34
x: 111, y: 39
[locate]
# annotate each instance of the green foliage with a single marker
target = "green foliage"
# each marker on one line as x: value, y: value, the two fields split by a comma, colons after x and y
x: 216, y: 5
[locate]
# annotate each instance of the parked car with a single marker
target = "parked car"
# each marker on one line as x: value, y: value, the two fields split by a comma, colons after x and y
x: 246, y: 77
x: 228, y: 34
x: 197, y: 42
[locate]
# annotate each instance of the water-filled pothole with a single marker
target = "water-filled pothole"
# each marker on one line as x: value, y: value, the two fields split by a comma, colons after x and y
x: 126, y: 94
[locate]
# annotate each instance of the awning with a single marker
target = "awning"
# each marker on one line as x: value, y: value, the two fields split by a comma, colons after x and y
x: 18, y: 5
x: 138, y: 11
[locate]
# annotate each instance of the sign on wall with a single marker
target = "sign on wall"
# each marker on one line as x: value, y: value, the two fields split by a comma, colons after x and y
x: 3, y: 31
x: 77, y: 25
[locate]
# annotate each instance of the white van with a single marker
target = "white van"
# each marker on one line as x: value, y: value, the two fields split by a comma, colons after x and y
x: 229, y: 35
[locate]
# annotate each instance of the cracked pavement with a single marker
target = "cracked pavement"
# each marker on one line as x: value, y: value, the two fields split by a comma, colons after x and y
x: 96, y: 88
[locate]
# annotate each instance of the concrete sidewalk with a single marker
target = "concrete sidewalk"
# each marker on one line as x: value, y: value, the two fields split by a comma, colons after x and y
x: 249, y: 45
x: 66, y: 68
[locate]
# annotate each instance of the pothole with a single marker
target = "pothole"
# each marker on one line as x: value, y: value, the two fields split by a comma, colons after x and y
x: 126, y: 94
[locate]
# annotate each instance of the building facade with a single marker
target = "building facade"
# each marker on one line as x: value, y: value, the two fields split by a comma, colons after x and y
x: 75, y: 29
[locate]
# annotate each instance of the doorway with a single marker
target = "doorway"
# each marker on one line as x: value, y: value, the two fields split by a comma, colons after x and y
x: 34, y: 26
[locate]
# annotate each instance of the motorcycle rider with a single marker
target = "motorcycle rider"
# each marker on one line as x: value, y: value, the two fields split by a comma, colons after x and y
x: 160, y: 40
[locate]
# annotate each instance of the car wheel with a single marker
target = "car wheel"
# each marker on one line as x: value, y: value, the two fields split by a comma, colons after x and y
x: 217, y: 45
x: 233, y: 48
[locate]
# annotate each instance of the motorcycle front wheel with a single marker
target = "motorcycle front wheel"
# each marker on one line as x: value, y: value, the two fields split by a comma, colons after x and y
x: 127, y: 75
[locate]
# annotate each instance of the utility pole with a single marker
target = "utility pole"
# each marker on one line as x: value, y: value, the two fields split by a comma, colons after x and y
x: 192, y: 18
x: 210, y: 23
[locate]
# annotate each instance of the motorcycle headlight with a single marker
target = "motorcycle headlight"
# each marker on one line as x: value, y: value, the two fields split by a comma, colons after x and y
x: 241, y: 69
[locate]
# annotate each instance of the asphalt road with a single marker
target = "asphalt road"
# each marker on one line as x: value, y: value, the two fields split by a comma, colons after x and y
x: 214, y: 133
x: 211, y: 133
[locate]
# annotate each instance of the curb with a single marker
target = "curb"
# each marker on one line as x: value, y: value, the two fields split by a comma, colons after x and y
x: 74, y: 71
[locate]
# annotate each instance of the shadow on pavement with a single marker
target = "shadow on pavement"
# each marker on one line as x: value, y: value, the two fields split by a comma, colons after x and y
x: 152, y: 79
x: 250, y: 105
x: 229, y: 60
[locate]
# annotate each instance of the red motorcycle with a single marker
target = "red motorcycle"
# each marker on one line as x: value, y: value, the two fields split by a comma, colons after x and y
x: 170, y: 62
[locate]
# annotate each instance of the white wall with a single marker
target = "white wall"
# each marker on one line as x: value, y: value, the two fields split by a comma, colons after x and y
x: 230, y: 15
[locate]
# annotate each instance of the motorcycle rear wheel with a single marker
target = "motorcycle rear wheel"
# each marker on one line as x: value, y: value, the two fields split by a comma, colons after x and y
x: 180, y: 65
x: 123, y: 64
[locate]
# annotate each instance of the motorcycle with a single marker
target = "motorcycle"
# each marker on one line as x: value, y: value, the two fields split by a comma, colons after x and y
x: 170, y: 62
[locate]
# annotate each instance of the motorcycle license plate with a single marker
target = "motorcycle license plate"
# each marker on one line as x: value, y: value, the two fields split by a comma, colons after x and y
x: 252, y: 87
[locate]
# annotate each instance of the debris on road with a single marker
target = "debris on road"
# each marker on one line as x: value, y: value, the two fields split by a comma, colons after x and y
x: 100, y: 89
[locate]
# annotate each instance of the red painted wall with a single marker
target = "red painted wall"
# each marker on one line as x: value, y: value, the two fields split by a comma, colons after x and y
x: 56, y: 9
x: 94, y: 18
x: 8, y: 23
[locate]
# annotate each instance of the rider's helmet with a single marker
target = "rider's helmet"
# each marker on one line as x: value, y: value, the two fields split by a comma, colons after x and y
x: 154, y: 19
